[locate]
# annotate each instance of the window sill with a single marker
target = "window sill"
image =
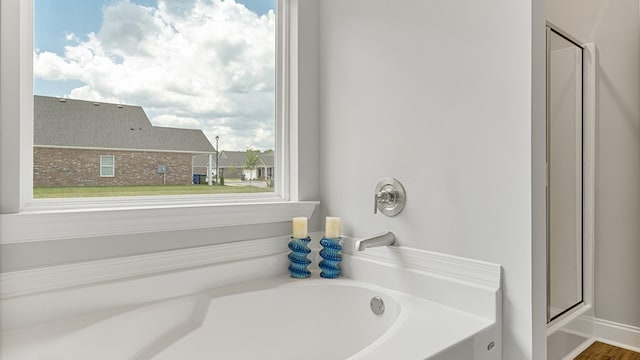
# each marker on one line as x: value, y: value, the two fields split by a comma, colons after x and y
x: 41, y: 221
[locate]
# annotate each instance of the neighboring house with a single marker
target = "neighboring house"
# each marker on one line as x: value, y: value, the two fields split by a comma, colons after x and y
x: 231, y: 165
x: 86, y: 143
x: 264, y: 168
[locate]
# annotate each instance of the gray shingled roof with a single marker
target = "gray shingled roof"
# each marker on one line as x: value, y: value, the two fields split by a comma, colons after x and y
x: 233, y: 158
x: 266, y: 158
x: 88, y: 124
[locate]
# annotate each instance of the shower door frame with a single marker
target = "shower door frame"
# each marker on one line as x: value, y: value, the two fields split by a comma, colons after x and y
x: 585, y: 306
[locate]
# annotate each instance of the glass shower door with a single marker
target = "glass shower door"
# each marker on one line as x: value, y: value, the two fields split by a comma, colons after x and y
x: 564, y: 174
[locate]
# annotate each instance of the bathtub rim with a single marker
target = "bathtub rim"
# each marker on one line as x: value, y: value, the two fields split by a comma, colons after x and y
x: 220, y: 265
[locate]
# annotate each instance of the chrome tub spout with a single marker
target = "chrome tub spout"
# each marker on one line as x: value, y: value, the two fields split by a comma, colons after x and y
x: 384, y: 239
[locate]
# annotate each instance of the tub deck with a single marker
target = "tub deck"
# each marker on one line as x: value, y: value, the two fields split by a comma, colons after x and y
x: 438, y: 307
x: 188, y: 327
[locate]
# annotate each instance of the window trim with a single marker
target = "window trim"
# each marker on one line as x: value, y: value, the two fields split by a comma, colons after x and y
x: 111, y: 166
x: 18, y: 209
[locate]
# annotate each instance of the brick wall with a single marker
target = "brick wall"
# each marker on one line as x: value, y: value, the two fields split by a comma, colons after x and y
x: 75, y: 167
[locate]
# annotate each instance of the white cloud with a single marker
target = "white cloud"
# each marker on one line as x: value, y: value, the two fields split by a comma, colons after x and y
x: 70, y: 37
x: 194, y: 63
x: 183, y: 122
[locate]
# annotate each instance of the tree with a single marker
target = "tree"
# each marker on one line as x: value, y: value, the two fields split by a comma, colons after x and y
x: 251, y: 161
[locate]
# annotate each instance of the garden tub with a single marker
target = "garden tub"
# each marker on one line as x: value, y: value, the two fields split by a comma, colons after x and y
x: 275, y: 317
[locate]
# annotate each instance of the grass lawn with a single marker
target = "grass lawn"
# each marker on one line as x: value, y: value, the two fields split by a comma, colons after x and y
x: 99, y: 191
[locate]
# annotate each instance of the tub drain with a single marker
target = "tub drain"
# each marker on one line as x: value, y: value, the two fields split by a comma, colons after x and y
x: 377, y: 305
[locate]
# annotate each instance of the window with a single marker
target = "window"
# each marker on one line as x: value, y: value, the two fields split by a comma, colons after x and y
x: 107, y: 166
x: 158, y: 81
x: 85, y: 217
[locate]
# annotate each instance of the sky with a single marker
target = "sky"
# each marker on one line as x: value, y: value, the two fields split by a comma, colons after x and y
x: 198, y: 64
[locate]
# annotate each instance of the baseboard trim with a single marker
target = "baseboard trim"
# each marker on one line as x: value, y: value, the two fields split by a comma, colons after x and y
x: 584, y: 324
x: 622, y: 335
x: 29, y: 282
x: 578, y: 320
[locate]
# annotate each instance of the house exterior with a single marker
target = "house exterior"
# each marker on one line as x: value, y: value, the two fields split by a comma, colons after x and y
x: 86, y: 143
x: 264, y: 167
x: 231, y: 165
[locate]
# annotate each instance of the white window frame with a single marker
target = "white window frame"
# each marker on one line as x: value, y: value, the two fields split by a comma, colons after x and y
x: 73, y: 218
x: 112, y: 166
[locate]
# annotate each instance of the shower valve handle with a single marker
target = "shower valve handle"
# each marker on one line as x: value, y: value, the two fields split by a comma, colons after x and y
x: 384, y: 198
x: 389, y: 197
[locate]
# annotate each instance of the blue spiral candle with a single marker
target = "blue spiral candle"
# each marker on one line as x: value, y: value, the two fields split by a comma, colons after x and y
x: 298, y: 258
x: 330, y: 254
x: 299, y: 249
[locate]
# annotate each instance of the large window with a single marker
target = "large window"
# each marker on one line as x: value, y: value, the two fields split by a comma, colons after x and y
x: 159, y: 82
x: 86, y: 217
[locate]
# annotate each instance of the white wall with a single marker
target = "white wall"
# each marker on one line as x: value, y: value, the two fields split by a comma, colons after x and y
x: 614, y: 26
x: 439, y: 95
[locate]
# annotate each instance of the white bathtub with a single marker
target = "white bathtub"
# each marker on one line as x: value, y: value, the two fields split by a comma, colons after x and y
x: 273, y: 318
x: 287, y: 320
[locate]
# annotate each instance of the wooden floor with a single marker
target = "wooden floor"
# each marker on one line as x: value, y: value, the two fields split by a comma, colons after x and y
x: 602, y: 351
